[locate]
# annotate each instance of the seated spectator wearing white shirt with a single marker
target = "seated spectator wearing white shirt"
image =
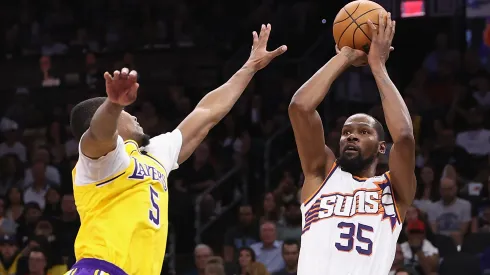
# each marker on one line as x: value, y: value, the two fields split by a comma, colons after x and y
x: 418, y: 251
x: 269, y: 250
x: 476, y: 140
x: 52, y: 173
x: 451, y: 215
x: 40, y: 185
x: 11, y: 145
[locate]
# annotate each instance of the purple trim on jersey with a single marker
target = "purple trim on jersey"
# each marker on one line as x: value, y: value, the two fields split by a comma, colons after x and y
x: 396, y: 218
x: 96, y: 264
x: 332, y: 170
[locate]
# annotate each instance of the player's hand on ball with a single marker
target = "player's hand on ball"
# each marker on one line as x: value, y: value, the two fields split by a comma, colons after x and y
x: 122, y: 86
x: 260, y: 57
x: 382, y: 36
x: 356, y: 58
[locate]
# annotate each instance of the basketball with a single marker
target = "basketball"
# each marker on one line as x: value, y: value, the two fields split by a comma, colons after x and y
x: 351, y: 27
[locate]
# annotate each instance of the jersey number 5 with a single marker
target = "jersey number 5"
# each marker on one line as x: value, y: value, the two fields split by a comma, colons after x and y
x: 154, y: 212
x: 365, y: 246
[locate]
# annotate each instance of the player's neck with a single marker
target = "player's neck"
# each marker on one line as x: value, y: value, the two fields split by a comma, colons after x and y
x: 368, y: 172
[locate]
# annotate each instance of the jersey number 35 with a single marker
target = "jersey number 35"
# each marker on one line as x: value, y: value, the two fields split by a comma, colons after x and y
x: 154, y: 212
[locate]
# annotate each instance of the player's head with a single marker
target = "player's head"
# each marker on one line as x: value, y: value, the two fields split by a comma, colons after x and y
x: 361, y: 142
x: 128, y: 127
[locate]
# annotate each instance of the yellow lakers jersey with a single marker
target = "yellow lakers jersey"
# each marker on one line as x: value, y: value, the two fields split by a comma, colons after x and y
x: 124, y: 218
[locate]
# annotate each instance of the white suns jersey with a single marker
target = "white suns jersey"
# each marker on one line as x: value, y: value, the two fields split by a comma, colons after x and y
x: 350, y: 226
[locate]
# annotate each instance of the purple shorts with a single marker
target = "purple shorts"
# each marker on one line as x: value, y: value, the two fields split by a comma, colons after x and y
x: 94, y: 267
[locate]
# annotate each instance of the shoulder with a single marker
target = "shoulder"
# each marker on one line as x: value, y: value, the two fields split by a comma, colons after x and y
x: 463, y: 202
x: 93, y: 170
x: 166, y: 148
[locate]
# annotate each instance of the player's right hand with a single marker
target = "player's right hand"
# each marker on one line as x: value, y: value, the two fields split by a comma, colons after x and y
x: 122, y: 86
x: 356, y: 58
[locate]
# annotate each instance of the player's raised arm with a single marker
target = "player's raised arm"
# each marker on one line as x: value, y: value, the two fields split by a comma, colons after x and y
x: 316, y: 158
x: 216, y: 104
x: 402, y: 155
x: 101, y: 136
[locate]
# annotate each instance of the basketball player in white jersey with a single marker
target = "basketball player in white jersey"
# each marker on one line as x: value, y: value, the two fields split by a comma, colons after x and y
x: 352, y: 217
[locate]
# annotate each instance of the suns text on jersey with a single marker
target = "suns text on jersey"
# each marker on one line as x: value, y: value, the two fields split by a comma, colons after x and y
x: 143, y: 170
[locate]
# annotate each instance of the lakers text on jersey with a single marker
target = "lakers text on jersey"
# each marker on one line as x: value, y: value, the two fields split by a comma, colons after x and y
x: 124, y: 214
x: 350, y: 226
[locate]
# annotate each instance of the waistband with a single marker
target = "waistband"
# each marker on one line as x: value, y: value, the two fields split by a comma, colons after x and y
x: 100, y: 265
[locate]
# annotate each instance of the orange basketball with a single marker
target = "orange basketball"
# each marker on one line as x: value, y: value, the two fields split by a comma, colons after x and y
x: 351, y: 28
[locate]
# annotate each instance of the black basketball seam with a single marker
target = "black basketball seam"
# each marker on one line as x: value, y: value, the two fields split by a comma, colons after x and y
x: 348, y: 16
x: 358, y: 5
x: 354, y: 20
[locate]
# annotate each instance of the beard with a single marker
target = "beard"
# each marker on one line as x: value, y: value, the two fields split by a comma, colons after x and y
x: 145, y: 140
x: 356, y: 164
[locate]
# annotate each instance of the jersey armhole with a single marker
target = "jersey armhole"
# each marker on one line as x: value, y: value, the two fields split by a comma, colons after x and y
x: 393, y: 195
x: 311, y: 197
x: 94, y: 171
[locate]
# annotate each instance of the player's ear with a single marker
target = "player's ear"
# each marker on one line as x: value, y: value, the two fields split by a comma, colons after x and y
x: 382, y: 147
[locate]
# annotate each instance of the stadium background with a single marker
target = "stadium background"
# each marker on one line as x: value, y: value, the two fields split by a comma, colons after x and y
x: 54, y: 54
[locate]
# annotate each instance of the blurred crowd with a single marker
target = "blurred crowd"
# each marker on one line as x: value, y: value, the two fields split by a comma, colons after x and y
x: 447, y: 231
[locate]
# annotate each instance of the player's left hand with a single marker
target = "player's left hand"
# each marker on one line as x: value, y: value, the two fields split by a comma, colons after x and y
x: 381, y: 39
x: 357, y: 58
x: 260, y: 57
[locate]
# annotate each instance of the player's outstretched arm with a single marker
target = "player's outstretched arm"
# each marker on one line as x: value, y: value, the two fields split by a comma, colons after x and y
x: 402, y: 154
x: 316, y: 158
x: 101, y: 136
x: 216, y: 104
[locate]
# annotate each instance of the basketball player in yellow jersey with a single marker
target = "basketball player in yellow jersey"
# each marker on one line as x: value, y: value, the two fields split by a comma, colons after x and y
x: 120, y: 180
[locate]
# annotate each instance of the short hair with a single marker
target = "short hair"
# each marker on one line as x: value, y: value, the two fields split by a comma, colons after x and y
x: 380, y: 130
x: 290, y: 242
x: 249, y: 250
x: 81, y: 115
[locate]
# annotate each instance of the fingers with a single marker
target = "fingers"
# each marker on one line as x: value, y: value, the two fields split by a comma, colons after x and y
x: 264, y: 35
x: 337, y: 49
x: 255, y: 39
x: 382, y: 23
x: 124, y: 73
x: 374, y: 30
x: 107, y: 77
x: 389, y: 25
x: 392, y: 49
x: 133, y: 76
x: 393, y: 27
x: 277, y: 52
x: 116, y: 75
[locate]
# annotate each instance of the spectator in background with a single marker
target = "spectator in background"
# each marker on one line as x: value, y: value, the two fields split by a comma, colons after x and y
x: 290, y: 254
x: 11, y: 173
x: 451, y: 215
x: 11, y: 145
x: 214, y: 266
x: 27, y: 222
x: 48, y: 78
x: 399, y: 263
x: 200, y: 175
x: 93, y: 77
x: 476, y: 140
x: 244, y: 234
x: 481, y: 223
x: 67, y: 224
x: 15, y: 204
x: 10, y: 255
x: 292, y: 226
x: 36, y: 192
x: 270, y: 209
x: 426, y: 189
x: 52, y: 174
x: 202, y: 254
x: 418, y: 251
x: 38, y: 261
x: 7, y: 225
x: 269, y: 250
x: 286, y: 190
